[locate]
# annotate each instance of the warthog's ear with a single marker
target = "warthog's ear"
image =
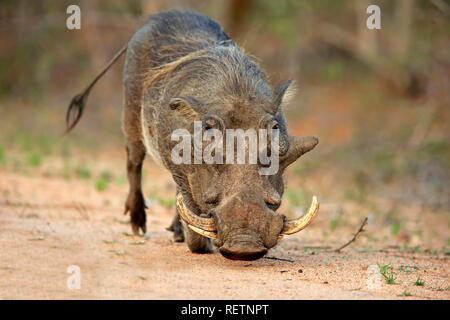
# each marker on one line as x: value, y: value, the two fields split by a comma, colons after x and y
x: 188, y: 106
x: 279, y: 94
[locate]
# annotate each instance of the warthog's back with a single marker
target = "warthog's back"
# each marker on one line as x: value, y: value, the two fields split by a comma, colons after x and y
x: 167, y: 37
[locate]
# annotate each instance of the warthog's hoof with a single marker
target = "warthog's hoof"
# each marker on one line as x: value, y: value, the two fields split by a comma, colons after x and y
x: 177, y: 229
x: 135, y: 204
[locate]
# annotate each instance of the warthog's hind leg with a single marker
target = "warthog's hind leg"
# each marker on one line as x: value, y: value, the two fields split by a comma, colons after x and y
x: 135, y: 203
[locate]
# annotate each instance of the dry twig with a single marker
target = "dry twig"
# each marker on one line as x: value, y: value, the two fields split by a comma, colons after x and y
x: 361, y: 229
x: 280, y: 259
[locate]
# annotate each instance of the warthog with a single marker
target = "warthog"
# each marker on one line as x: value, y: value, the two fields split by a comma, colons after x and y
x: 181, y: 68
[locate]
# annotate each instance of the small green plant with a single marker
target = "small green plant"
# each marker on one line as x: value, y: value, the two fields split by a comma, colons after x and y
x: 419, y: 282
x: 334, y: 224
x: 118, y: 252
x: 106, y: 175
x: 101, y: 184
x: 408, y: 269
x: 83, y: 171
x: 36, y: 239
x: 387, y: 271
x: 396, y: 227
x: 32, y: 215
x: 127, y: 234
x: 406, y: 294
x: 2, y: 156
x: 34, y: 160
x: 138, y: 243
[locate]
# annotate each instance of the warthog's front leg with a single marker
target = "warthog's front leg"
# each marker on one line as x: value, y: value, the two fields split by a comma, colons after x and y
x: 176, y: 227
x: 197, y: 243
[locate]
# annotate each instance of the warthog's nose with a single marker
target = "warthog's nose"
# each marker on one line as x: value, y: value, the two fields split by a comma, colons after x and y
x: 242, y: 251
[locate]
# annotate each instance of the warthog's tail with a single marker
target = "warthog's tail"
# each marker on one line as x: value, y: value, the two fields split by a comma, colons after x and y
x: 75, y: 110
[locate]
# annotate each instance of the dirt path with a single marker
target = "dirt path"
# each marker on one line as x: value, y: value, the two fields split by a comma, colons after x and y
x: 48, y: 224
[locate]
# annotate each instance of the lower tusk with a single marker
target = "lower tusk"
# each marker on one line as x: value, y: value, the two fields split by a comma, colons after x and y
x: 206, y: 224
x: 208, y: 234
x: 293, y: 226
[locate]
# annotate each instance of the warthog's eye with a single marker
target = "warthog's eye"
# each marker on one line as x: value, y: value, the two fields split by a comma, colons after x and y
x: 214, y: 202
x: 211, y: 122
x: 273, y: 207
x: 208, y: 125
x: 211, y: 198
x: 272, y: 124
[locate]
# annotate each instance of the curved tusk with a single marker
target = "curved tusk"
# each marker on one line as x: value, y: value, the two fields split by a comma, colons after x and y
x: 193, y: 220
x: 208, y: 234
x: 293, y: 226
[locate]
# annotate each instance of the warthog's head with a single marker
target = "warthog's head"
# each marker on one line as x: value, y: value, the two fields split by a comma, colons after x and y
x: 234, y: 203
x: 240, y: 205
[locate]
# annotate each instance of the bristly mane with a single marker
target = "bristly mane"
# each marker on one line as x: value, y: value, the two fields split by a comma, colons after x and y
x: 235, y: 75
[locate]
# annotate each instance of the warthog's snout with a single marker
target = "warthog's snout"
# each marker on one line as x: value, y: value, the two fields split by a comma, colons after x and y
x: 241, y: 248
x: 243, y: 227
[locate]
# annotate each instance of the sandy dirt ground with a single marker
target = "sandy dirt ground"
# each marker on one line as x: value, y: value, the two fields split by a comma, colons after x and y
x: 48, y: 223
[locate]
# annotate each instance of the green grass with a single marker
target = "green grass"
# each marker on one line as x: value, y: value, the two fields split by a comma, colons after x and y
x: 385, y: 163
x: 334, y: 224
x: 106, y: 175
x: 167, y: 202
x: 127, y: 234
x: 118, y: 252
x: 437, y: 149
x: 297, y: 197
x: 138, y: 243
x: 34, y: 160
x: 387, y: 271
x: 36, y: 239
x: 2, y: 156
x: 406, y: 294
x: 419, y: 282
x: 104, y: 180
x: 31, y: 215
x: 83, y: 171
x: 355, y: 195
x: 408, y: 269
x: 101, y: 184
x: 396, y: 227
x: 66, y: 169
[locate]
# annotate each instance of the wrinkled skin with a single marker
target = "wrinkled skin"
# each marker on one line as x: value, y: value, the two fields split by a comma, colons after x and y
x: 225, y: 90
